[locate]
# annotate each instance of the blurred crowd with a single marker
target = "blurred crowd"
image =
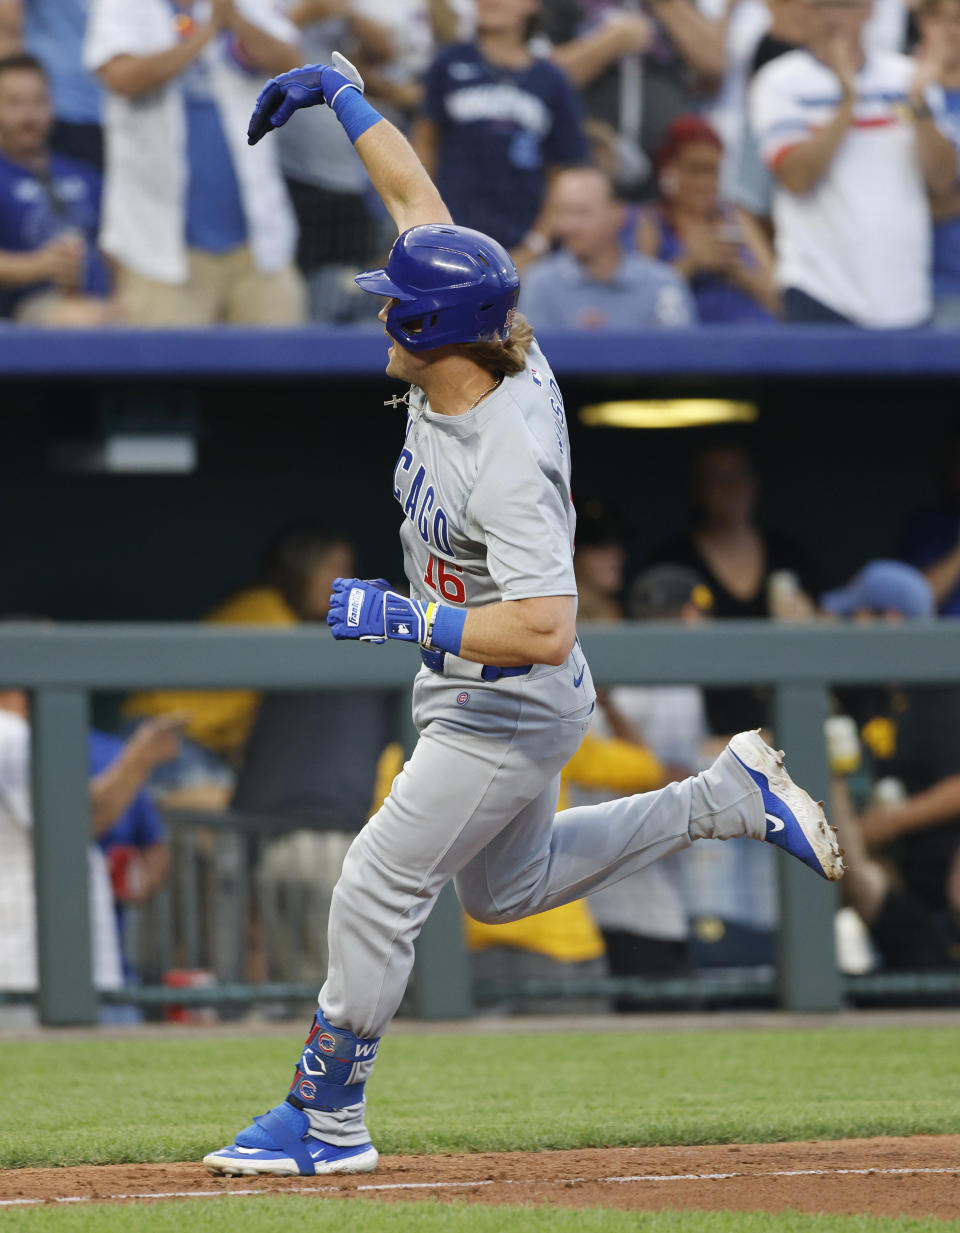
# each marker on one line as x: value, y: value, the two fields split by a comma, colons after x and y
x: 295, y: 775
x: 649, y: 163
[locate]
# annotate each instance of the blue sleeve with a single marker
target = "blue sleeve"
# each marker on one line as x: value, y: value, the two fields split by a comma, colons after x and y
x: 566, y: 142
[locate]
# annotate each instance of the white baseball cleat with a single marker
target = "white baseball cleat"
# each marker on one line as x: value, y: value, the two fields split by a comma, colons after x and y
x: 795, y: 822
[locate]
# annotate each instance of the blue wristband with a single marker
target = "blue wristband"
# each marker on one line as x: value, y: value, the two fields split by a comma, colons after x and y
x: 354, y: 112
x: 447, y: 634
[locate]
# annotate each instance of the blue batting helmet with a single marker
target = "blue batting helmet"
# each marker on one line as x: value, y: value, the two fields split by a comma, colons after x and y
x: 451, y: 284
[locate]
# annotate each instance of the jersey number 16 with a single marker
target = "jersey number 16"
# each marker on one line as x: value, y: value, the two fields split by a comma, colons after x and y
x: 448, y: 584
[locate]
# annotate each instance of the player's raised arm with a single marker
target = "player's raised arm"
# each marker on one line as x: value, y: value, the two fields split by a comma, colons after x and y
x: 405, y: 188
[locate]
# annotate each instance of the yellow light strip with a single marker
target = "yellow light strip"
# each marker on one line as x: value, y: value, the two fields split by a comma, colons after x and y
x: 667, y: 413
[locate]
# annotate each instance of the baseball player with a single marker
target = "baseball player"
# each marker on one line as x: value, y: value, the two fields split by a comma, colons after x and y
x: 504, y: 695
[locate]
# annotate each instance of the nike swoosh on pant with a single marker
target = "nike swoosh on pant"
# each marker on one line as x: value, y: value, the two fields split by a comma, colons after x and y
x: 578, y: 679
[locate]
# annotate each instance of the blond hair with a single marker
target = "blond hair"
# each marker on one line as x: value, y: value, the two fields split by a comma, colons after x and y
x: 508, y: 357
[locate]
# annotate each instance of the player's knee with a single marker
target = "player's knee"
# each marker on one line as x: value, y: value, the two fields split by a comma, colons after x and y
x: 477, y: 902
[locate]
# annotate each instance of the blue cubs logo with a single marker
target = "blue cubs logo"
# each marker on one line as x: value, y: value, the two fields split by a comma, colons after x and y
x: 463, y: 698
x: 326, y: 1042
x: 306, y: 1090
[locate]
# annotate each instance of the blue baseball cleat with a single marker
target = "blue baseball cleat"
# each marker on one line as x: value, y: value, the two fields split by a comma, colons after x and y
x: 795, y: 822
x: 280, y: 1143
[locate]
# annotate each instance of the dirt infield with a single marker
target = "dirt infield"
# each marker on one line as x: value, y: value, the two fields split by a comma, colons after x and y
x: 891, y: 1177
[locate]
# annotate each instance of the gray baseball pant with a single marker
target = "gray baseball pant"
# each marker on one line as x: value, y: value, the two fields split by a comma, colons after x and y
x: 476, y: 803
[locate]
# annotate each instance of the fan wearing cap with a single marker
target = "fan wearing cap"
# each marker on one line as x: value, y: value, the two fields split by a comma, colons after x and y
x: 913, y: 914
x: 729, y: 272
x: 882, y: 588
x: 886, y: 591
x: 911, y: 733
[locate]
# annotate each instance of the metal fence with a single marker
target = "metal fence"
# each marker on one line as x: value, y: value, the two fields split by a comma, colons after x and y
x: 62, y: 665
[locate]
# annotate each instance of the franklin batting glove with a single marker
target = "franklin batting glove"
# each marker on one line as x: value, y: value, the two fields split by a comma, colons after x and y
x: 371, y: 612
x: 309, y: 86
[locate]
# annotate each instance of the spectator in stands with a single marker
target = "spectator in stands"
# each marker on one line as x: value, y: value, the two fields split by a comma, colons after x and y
x: 850, y: 137
x: 325, y: 179
x: 730, y: 277
x: 727, y: 548
x: 882, y: 588
x: 639, y: 70
x: 940, y: 28
x: 909, y: 933
x: 744, y: 565
x: 594, y: 281
x: 52, y: 30
x: 198, y: 222
x: 118, y: 772
x: 913, y: 919
x: 751, y: 186
x: 51, y: 272
x: 295, y: 584
x: 135, y: 844
x: 498, y: 122
x: 599, y: 562
x: 931, y: 539
x: 893, y: 592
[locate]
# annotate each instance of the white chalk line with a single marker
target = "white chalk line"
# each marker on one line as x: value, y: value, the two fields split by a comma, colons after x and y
x: 513, y: 1181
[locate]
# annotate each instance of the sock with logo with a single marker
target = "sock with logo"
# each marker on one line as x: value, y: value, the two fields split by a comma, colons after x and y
x: 328, y: 1084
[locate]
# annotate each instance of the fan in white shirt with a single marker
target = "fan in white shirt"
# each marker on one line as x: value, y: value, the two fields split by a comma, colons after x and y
x: 852, y: 142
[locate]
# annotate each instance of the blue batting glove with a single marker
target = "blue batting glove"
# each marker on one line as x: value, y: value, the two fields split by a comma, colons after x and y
x: 371, y: 612
x: 309, y: 86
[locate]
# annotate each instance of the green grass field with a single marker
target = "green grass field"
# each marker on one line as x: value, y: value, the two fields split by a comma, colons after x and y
x: 70, y: 1103
x: 279, y: 1214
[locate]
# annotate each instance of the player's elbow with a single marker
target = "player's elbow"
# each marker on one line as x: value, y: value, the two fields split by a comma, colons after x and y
x: 546, y: 629
x: 558, y: 644
x: 125, y: 75
x: 796, y: 173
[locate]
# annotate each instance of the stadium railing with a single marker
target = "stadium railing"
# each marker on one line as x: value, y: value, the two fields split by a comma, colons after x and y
x: 808, y: 351
x: 61, y: 665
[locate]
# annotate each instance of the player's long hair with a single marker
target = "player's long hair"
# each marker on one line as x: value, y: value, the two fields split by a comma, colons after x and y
x: 507, y: 357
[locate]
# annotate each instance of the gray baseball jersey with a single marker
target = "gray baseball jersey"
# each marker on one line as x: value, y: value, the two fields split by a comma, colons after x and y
x: 486, y: 495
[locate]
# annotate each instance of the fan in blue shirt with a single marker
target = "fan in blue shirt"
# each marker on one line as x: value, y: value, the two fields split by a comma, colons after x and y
x: 497, y: 120
x: 49, y: 204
